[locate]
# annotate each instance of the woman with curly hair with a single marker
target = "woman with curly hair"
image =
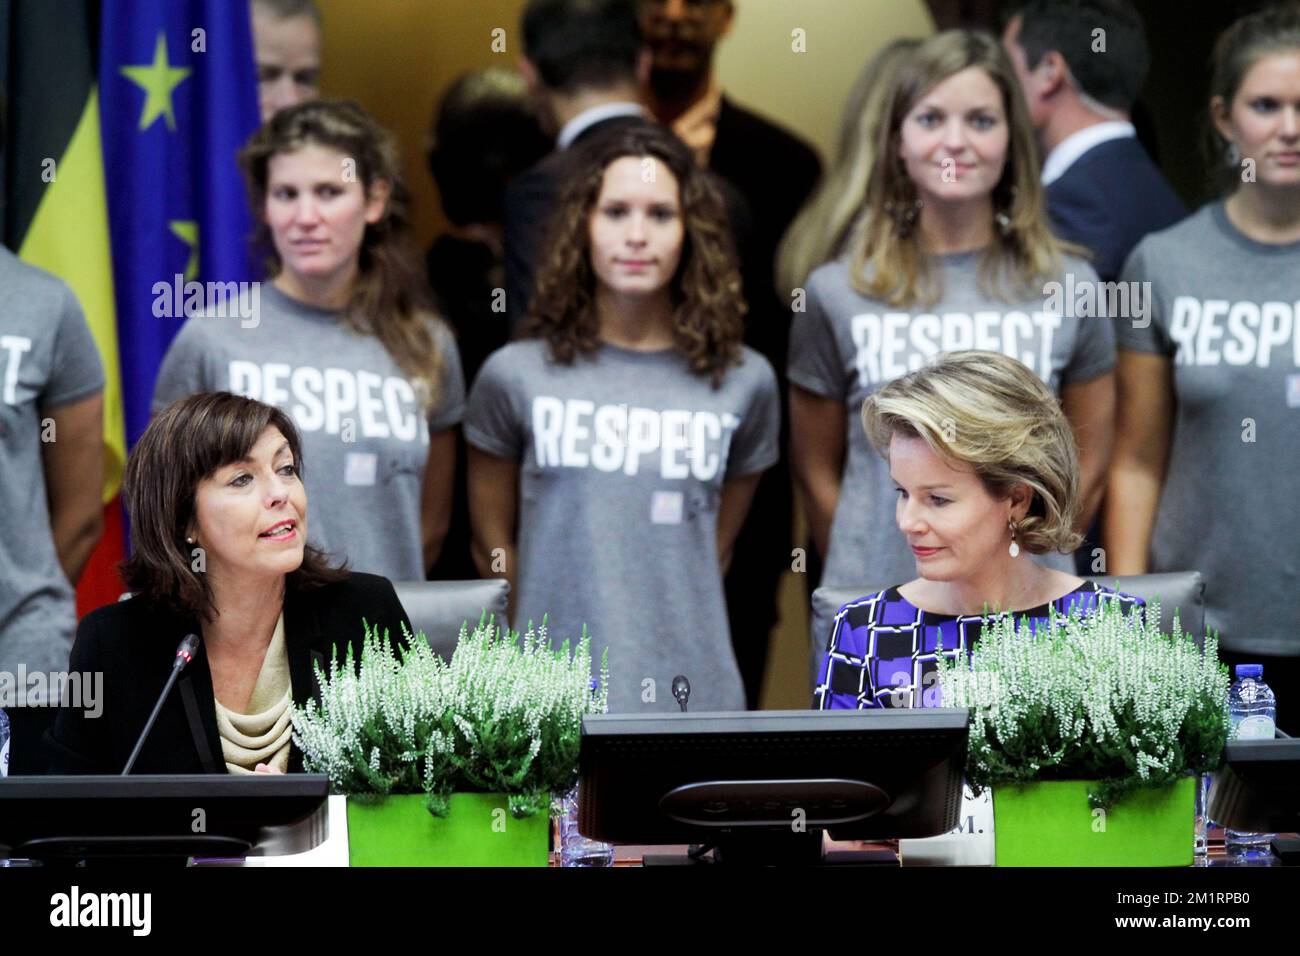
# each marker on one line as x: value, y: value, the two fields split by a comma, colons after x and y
x: 614, y: 454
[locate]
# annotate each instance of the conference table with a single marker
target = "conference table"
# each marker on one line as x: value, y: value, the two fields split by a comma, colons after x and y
x: 322, y: 841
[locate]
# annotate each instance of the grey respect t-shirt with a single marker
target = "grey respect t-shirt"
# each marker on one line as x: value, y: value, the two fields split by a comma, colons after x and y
x: 1226, y: 311
x: 365, y: 441
x: 622, y: 458
x: 845, y: 346
x: 48, y: 359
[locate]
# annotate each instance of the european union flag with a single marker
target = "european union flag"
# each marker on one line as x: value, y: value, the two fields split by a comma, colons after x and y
x: 178, y: 98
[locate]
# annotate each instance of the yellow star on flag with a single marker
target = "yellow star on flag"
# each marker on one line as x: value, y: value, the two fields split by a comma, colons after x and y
x: 187, y: 231
x: 157, y: 80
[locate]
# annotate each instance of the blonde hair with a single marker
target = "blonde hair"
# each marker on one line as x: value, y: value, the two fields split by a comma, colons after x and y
x: 993, y: 415
x: 888, y: 263
x: 818, y: 233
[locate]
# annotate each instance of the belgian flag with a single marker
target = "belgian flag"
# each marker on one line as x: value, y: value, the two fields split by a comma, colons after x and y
x: 55, y: 212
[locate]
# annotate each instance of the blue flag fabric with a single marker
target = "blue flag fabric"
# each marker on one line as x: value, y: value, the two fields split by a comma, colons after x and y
x: 178, y: 98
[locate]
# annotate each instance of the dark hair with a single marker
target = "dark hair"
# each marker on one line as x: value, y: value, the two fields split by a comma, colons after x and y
x: 1274, y: 29
x: 708, y: 308
x: 485, y: 132
x: 185, y: 443
x: 1113, y: 78
x: 391, y: 298
x: 582, y: 44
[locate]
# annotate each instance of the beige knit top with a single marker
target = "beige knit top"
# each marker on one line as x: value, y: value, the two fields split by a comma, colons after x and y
x: 262, y: 734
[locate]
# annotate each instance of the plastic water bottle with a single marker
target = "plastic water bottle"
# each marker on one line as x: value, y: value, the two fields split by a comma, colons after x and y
x: 4, y: 743
x: 4, y: 759
x: 1201, y: 839
x: 576, y: 849
x: 1253, y: 710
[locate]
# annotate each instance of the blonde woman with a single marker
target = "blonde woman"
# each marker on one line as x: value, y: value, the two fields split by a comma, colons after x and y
x: 823, y: 227
x: 955, y: 254
x: 986, y: 474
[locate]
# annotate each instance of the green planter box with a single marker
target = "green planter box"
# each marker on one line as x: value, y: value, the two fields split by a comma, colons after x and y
x: 479, y: 831
x: 1051, y: 824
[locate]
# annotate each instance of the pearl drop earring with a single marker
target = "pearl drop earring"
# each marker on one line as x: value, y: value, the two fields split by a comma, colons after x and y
x: 1014, y: 549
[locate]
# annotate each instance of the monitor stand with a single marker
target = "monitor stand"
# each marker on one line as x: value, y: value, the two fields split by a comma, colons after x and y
x: 737, y: 848
x: 1287, y: 850
x: 71, y: 850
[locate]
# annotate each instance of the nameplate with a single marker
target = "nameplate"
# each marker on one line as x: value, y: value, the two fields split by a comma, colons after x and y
x: 969, y: 844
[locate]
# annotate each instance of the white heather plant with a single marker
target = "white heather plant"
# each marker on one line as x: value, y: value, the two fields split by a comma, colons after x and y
x: 502, y: 717
x: 1104, y: 696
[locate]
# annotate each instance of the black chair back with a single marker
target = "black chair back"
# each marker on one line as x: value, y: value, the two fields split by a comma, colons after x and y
x: 438, y: 608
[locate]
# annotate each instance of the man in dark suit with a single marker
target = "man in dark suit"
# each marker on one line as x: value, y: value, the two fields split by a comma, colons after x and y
x: 773, y: 172
x: 584, y: 63
x: 1081, y: 65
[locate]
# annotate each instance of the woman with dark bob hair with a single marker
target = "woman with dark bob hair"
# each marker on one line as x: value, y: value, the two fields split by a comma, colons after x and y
x: 613, y: 457
x: 218, y: 534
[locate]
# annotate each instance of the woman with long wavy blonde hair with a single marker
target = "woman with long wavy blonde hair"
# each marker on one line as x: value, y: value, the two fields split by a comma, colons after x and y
x: 829, y: 219
x: 955, y: 253
x: 614, y: 454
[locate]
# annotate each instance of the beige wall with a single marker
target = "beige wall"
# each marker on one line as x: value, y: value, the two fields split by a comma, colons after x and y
x: 805, y: 91
x: 397, y: 56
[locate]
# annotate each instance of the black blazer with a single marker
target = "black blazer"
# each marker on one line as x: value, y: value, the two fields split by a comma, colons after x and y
x: 772, y: 168
x: 133, y: 643
x: 775, y: 173
x: 1110, y: 198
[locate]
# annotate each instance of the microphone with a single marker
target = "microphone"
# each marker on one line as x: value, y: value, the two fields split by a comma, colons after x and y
x: 681, y: 691
x: 185, y: 651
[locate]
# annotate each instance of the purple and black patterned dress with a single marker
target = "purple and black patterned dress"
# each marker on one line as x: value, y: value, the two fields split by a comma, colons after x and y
x: 883, y: 649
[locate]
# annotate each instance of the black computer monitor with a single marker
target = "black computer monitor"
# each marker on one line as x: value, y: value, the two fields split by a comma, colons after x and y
x: 150, y: 816
x: 762, y: 786
x: 1258, y: 788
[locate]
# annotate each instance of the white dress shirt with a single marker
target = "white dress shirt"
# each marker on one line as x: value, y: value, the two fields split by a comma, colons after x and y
x: 1068, y: 150
x: 590, y: 117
